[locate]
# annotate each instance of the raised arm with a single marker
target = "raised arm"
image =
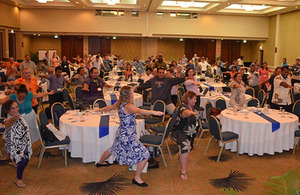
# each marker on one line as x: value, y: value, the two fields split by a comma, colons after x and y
x: 38, y: 95
x: 144, y: 86
x: 4, y: 100
x: 109, y: 108
x: 130, y: 108
x: 187, y: 113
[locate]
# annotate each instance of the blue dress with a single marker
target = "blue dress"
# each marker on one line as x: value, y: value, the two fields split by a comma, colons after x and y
x: 126, y: 148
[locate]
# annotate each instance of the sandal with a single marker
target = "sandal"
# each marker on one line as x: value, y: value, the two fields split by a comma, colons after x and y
x: 13, y: 164
x: 20, y: 185
x: 183, y: 176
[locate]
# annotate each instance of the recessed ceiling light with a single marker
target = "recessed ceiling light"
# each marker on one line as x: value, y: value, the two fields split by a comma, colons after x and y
x: 228, y: 3
x: 42, y: 1
x: 77, y: 2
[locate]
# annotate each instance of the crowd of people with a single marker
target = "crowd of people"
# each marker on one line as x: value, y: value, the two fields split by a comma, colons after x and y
x: 160, y: 82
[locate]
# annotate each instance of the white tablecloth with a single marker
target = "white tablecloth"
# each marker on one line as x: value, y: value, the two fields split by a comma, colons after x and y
x: 215, y: 96
x: 217, y: 86
x: 212, y: 99
x: 137, y: 99
x: 84, y: 136
x: 297, y: 87
x: 255, y: 132
x: 121, y: 84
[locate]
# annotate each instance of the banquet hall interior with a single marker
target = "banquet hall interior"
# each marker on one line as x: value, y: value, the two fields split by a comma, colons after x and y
x: 212, y: 37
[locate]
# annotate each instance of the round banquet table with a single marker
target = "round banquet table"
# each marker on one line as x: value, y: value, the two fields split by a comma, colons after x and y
x: 297, y: 87
x: 137, y: 99
x: 255, y: 133
x: 213, y: 98
x: 213, y: 86
x: 121, y: 84
x: 85, y: 142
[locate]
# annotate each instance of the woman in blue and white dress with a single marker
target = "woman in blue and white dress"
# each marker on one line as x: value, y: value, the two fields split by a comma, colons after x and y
x: 127, y: 149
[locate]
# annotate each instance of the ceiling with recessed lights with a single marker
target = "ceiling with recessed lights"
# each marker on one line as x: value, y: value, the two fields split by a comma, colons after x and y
x: 232, y: 7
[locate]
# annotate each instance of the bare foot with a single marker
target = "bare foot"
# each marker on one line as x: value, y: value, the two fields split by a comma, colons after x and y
x: 20, y: 183
x: 183, y: 176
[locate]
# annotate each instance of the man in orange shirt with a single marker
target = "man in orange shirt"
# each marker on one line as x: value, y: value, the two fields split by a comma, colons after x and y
x: 31, y: 85
x: 11, y: 64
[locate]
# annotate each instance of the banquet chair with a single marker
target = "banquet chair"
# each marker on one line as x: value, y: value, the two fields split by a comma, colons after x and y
x: 101, y: 102
x: 296, y: 109
x: 146, y: 105
x: 78, y: 93
x: 158, y: 140
x: 181, y: 88
x: 57, y: 110
x: 55, y: 144
x: 224, y: 137
x: 250, y: 91
x: 261, y: 97
x: 159, y: 129
x: 264, y: 101
x: 204, y: 124
x: 220, y: 103
x: 179, y: 96
x: 65, y: 92
x: 158, y: 105
x: 253, y: 102
x: 297, y: 96
x: 40, y: 100
x: 71, y: 102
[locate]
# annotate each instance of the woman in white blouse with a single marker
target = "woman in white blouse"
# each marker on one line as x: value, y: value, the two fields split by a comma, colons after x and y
x: 192, y: 84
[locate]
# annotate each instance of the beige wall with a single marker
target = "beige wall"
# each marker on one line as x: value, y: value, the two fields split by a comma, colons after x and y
x: 45, y: 43
x: 27, y: 45
x: 172, y: 49
x: 210, y: 26
x: 9, y: 16
x: 269, y: 45
x: 80, y: 22
x: 128, y: 48
x: 84, y: 21
x: 289, y: 37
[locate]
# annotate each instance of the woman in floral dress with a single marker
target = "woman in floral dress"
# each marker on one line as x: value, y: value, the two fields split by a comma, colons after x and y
x: 185, y: 129
x: 237, y: 98
x: 127, y: 149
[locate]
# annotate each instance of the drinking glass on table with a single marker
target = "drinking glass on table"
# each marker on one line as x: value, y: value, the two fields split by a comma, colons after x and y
x: 280, y: 110
x: 113, y: 116
x: 96, y: 106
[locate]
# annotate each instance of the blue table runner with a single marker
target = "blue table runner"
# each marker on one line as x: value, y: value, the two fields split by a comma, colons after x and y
x: 113, y: 98
x: 104, y: 126
x: 211, y: 88
x: 275, y: 124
